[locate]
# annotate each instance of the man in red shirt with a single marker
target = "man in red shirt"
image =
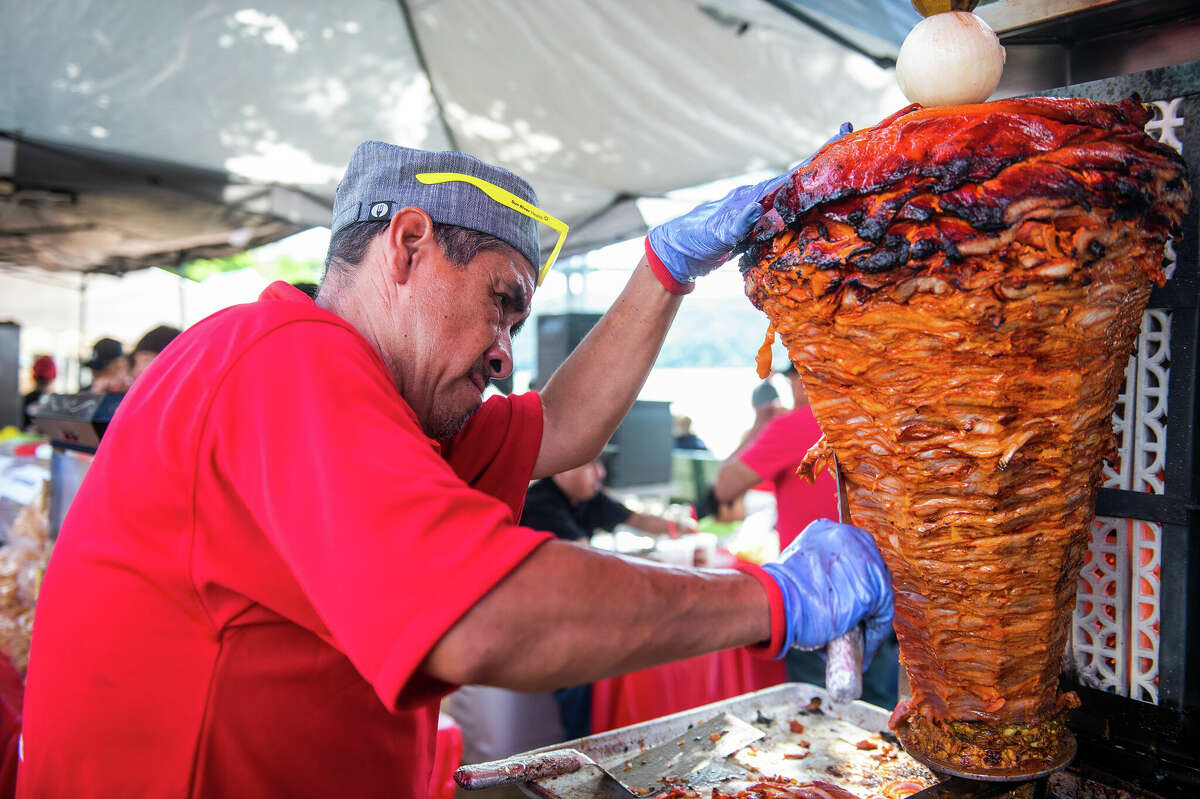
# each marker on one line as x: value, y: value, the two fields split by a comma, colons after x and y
x: 773, y: 455
x: 299, y: 532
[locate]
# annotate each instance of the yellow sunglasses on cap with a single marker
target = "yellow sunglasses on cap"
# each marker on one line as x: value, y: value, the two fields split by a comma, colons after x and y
x: 505, y: 197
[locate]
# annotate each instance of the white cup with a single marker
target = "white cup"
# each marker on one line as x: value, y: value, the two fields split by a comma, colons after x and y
x: 706, y: 548
x: 676, y: 551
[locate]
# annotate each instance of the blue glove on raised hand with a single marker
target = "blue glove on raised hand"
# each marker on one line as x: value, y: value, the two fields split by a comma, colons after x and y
x: 832, y: 578
x: 696, y: 243
x: 692, y: 245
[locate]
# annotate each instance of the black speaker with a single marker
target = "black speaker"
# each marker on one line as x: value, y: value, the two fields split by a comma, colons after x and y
x: 558, y: 335
x: 640, y: 451
x: 10, y: 371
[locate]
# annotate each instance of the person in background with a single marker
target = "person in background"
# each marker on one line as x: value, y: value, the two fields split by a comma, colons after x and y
x: 148, y: 348
x: 774, y: 454
x: 109, y: 367
x: 720, y: 517
x: 685, y: 438
x: 572, y: 505
x: 765, y: 401
x: 307, y: 287
x: 44, y: 373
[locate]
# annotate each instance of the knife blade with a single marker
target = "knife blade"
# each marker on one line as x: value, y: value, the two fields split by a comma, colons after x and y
x: 843, y: 656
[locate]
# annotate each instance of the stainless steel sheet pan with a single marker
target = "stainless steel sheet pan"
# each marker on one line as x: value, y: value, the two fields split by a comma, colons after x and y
x: 806, y: 738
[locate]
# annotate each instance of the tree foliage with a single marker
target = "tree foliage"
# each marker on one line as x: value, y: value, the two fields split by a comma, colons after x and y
x: 283, y: 267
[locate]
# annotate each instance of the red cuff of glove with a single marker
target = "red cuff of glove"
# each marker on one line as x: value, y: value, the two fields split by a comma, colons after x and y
x: 669, y: 282
x: 771, y: 649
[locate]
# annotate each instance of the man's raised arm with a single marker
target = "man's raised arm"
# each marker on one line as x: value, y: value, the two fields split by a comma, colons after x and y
x: 590, y: 393
x: 595, y: 387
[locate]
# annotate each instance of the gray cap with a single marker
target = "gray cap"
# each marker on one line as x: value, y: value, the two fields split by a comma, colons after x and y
x: 380, y: 180
x: 763, y: 394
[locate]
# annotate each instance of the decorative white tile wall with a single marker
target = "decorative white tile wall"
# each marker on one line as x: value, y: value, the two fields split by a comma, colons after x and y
x: 1115, y: 631
x: 1115, y: 634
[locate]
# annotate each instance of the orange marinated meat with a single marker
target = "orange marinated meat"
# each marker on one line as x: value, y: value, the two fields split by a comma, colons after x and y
x: 961, y: 288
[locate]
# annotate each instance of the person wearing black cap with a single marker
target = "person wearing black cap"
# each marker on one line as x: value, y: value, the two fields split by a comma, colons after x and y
x: 148, y: 348
x: 109, y: 367
x: 302, y: 532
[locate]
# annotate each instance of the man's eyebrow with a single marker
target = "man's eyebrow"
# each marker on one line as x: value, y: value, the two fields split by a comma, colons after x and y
x: 520, y: 299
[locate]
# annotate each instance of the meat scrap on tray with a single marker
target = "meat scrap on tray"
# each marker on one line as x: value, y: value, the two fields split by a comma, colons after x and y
x: 961, y: 288
x: 771, y: 789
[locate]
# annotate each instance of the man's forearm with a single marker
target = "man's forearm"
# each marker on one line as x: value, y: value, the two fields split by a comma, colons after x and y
x: 590, y: 393
x: 569, y: 615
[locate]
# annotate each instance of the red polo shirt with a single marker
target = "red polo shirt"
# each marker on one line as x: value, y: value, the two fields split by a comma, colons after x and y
x: 774, y: 455
x: 265, y: 549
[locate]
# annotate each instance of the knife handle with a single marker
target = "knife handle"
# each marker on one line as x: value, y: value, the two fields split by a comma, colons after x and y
x: 843, y: 666
x: 522, y: 768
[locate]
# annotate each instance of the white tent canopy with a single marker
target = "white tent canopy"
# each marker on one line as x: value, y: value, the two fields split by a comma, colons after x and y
x: 144, y: 132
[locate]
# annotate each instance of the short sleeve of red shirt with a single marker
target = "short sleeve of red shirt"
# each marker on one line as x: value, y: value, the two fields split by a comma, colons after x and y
x: 385, y: 541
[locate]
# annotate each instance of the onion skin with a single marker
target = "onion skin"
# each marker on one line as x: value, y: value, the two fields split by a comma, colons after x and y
x: 952, y: 58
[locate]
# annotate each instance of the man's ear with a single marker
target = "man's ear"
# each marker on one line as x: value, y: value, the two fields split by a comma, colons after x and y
x: 407, y: 239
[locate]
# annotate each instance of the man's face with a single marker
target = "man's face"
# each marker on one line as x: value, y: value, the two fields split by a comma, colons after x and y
x: 466, y: 318
x: 112, y: 379
x: 141, y: 359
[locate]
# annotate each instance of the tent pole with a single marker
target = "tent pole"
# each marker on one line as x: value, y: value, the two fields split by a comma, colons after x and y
x: 424, y: 66
x: 795, y: 11
x: 83, y: 276
x: 179, y: 264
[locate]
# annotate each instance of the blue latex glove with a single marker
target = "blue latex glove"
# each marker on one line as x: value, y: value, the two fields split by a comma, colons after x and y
x: 698, y: 242
x: 832, y: 577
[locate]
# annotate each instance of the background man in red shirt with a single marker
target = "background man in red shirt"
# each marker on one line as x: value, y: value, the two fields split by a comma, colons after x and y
x: 772, y: 455
x: 299, y: 532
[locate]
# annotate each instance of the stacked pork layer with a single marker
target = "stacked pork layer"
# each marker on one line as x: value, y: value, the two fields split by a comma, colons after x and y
x: 961, y: 288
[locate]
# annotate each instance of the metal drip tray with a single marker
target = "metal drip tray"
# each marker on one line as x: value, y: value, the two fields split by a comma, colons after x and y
x: 806, y: 738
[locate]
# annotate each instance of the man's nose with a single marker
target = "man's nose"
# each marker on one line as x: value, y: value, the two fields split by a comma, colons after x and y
x: 499, y: 357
